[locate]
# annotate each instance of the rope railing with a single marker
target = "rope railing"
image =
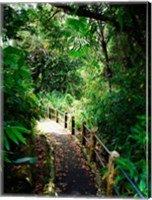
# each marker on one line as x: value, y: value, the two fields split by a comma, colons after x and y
x: 59, y: 111
x: 98, y: 139
x: 88, y: 129
x: 69, y: 123
x: 100, y: 160
x: 77, y: 131
x: 87, y: 140
x: 132, y: 183
x: 60, y: 118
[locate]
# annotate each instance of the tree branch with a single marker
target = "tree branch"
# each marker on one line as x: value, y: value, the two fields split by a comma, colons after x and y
x: 108, y: 70
x: 83, y: 11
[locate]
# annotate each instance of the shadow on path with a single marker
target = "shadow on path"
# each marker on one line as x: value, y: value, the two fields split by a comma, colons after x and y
x: 73, y: 176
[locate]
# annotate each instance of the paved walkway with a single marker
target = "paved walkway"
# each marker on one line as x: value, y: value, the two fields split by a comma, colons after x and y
x: 73, y: 176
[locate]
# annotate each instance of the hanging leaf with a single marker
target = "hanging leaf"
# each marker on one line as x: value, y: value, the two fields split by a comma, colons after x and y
x: 31, y: 160
x: 22, y: 129
x: 6, y: 159
x: 82, y: 51
x: 14, y: 133
x: 18, y: 135
x: 6, y: 143
x: 11, y: 135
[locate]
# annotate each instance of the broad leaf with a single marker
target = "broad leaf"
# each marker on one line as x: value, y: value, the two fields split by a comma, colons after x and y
x: 6, y: 159
x: 22, y: 129
x: 31, y: 160
x: 11, y: 135
x: 19, y: 135
x: 6, y: 143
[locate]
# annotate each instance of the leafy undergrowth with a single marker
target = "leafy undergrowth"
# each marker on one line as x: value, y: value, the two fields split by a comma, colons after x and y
x: 17, y: 179
x: 18, y: 174
x: 31, y: 175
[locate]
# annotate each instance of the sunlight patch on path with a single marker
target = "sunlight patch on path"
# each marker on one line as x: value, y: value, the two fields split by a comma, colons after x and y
x: 50, y: 126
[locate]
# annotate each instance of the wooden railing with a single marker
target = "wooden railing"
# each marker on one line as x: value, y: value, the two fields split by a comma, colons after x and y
x: 92, y: 142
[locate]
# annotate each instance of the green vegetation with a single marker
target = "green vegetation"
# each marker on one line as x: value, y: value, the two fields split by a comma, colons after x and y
x: 88, y: 60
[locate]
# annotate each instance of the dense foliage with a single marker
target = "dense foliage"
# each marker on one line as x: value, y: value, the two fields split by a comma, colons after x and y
x: 20, y: 103
x: 86, y: 59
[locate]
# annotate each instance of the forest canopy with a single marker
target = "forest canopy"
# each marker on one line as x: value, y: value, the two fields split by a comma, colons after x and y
x: 88, y: 59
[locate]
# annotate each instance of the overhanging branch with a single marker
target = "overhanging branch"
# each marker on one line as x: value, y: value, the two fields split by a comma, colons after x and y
x: 84, y: 11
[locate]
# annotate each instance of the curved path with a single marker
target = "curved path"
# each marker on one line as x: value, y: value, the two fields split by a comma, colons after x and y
x: 73, y: 176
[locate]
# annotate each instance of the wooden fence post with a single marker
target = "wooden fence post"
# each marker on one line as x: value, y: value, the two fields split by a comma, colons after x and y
x: 72, y: 125
x: 92, y: 156
x: 111, y: 172
x: 65, y: 120
x: 56, y: 116
x: 83, y: 131
x: 50, y: 116
x: 46, y: 112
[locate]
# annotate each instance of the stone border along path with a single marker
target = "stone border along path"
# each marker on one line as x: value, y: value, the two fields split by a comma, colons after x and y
x: 73, y: 176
